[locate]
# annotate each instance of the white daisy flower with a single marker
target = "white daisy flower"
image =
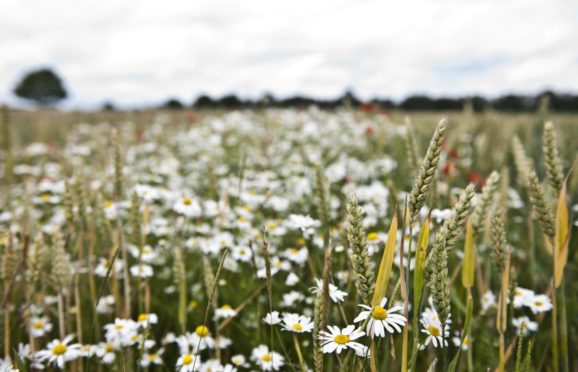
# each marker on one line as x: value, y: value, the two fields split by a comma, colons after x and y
x: 381, y: 319
x: 522, y: 296
x: 40, y: 326
x: 147, y: 254
x: 301, y: 222
x: 524, y: 325
x: 299, y: 256
x: 6, y: 365
x: 457, y: 341
x: 488, y: 301
x: 433, y: 329
x: 107, y: 352
x: 337, y: 340
x: 241, y: 253
x: 142, y: 271
x: 214, y: 365
x: 152, y: 358
x: 292, y: 298
x: 272, y: 318
x: 297, y: 323
x: 187, y: 207
x: 267, y: 360
x: 539, y: 303
x: 335, y: 293
x: 121, y: 332
x: 188, y: 363
x: 106, y: 305
x: 222, y: 342
x: 239, y: 361
x: 225, y: 311
x: 59, y: 352
x: 103, y: 266
x: 145, y: 320
x: 199, y: 340
x: 292, y: 279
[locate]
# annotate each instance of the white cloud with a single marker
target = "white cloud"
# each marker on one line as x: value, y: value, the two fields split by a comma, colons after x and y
x: 144, y: 51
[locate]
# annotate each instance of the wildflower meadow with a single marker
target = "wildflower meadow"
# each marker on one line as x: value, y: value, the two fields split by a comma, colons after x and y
x: 288, y: 240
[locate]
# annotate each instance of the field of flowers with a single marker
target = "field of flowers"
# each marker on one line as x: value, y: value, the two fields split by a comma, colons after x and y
x: 288, y: 240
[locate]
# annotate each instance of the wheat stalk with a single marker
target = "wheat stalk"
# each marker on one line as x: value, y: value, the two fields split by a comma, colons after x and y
x: 320, y: 311
x: 522, y: 162
x: 437, y: 262
x: 357, y: 237
x: 427, y: 171
x: 486, y: 200
x: 499, y: 241
x: 552, y: 162
x: 540, y: 204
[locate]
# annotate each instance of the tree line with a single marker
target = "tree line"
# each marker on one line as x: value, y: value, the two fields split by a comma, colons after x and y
x: 509, y: 103
x: 44, y: 87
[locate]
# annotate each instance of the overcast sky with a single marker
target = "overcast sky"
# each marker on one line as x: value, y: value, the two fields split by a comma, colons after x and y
x: 139, y: 51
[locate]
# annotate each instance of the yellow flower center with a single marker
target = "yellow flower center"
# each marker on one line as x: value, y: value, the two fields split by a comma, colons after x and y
x: 187, y: 201
x: 301, y: 242
x: 38, y: 325
x: 107, y: 204
x: 59, y: 349
x: 379, y: 313
x: 294, y: 250
x: 434, y: 331
x: 242, y: 219
x: 226, y: 307
x: 466, y: 341
x: 266, y: 358
x: 297, y: 327
x: 372, y: 236
x: 45, y: 197
x: 119, y: 326
x: 152, y: 357
x: 108, y: 348
x: 187, y: 359
x: 538, y: 303
x: 193, y: 304
x: 271, y: 226
x: 142, y: 318
x: 341, y: 339
x: 242, y: 252
x: 202, y: 331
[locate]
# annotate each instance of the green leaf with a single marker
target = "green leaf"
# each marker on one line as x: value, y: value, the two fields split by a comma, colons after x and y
x: 420, y: 256
x: 386, y: 264
x: 469, y: 263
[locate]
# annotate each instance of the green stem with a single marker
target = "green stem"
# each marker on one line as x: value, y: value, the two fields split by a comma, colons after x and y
x: 299, y: 354
x: 554, y: 330
x: 564, y: 329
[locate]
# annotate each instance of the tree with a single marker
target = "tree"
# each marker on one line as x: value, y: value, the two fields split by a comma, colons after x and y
x: 417, y: 103
x: 42, y: 86
x: 108, y: 106
x: 173, y: 104
x: 231, y: 101
x: 514, y: 103
x: 204, y: 102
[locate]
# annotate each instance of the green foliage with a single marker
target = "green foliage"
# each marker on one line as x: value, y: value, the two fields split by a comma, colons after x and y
x: 43, y: 87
